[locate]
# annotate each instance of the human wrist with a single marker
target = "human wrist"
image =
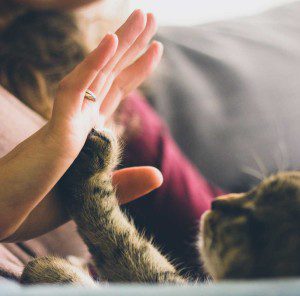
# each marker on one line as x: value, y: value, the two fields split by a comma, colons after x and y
x: 56, y: 143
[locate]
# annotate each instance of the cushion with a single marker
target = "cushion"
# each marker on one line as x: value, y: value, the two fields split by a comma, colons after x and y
x: 281, y: 287
x: 230, y: 91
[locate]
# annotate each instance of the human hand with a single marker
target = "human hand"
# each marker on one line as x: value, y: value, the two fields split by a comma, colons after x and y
x: 110, y: 73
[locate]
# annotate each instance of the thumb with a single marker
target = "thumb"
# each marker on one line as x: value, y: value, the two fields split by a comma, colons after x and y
x: 132, y: 183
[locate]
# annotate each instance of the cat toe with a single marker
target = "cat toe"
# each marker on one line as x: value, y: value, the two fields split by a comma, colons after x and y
x: 102, y: 148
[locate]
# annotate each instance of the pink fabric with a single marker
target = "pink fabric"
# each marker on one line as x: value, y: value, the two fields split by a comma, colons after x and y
x: 17, y: 122
x: 170, y: 213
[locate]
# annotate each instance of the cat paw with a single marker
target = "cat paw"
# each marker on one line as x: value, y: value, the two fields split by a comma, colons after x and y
x: 98, y: 158
x: 99, y: 154
x: 52, y: 270
x: 102, y: 150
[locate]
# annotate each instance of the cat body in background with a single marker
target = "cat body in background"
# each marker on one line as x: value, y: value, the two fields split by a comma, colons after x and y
x: 251, y: 235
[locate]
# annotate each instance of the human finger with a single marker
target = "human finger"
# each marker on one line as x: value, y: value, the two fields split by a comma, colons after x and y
x: 130, y: 78
x: 127, y: 34
x: 132, y: 183
x: 139, y: 45
x: 75, y: 83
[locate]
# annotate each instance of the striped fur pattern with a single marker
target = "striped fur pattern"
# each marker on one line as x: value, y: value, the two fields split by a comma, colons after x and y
x: 249, y: 235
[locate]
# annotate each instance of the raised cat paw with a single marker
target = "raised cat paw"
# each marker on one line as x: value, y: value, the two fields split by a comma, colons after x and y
x: 93, y: 165
x: 102, y: 150
x: 99, y: 154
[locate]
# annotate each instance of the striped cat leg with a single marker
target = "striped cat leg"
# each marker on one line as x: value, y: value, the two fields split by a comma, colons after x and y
x: 121, y: 254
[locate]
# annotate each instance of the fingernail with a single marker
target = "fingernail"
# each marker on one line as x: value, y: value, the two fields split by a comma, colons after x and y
x: 106, y: 38
x: 160, y: 51
x: 150, y: 14
x: 138, y: 10
x: 114, y: 35
x: 159, y: 44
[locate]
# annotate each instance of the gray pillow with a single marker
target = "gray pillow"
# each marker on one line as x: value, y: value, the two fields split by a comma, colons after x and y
x: 230, y: 93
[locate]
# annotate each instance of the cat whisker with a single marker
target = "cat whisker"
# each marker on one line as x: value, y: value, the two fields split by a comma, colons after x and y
x: 283, y: 161
x: 284, y: 155
x: 261, y: 166
x: 253, y: 172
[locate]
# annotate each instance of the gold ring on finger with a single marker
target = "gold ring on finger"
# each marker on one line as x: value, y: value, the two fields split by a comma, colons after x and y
x: 89, y: 95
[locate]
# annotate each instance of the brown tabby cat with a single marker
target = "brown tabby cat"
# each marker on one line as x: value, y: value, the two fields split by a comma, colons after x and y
x: 251, y: 235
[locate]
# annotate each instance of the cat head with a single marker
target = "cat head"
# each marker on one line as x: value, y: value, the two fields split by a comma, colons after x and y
x: 254, y: 234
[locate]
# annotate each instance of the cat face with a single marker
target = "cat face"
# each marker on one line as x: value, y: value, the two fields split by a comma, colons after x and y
x: 254, y: 234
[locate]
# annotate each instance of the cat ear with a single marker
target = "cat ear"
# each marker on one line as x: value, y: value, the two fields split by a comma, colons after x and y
x: 232, y: 202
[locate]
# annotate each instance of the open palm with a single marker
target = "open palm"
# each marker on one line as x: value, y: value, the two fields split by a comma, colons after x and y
x: 111, y: 71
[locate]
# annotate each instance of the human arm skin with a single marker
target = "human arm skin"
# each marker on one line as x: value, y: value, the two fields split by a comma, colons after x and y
x: 27, y: 175
x: 30, y: 171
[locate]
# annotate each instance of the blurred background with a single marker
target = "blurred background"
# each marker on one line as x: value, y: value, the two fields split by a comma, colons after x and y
x: 235, y: 80
x: 190, y: 12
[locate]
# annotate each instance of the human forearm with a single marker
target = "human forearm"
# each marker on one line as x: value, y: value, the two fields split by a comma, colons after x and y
x: 46, y: 216
x: 27, y: 174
